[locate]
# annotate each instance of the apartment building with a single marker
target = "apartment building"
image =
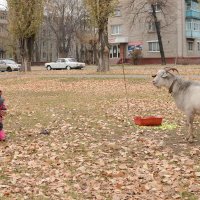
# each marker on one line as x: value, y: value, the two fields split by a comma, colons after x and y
x: 180, y: 30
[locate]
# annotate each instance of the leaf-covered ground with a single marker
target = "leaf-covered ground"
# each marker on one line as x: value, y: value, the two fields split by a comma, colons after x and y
x: 94, y: 150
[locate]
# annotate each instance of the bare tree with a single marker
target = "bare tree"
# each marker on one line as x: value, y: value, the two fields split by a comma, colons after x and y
x: 64, y: 18
x: 86, y: 37
x: 100, y: 11
x: 149, y: 10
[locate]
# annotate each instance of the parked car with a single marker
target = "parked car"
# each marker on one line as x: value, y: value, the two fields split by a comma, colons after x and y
x: 65, y: 63
x: 9, y: 65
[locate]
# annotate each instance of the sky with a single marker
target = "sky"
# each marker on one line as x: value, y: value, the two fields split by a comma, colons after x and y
x: 3, y: 3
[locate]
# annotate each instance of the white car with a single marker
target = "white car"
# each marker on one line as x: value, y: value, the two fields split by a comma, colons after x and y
x: 9, y: 65
x: 65, y: 63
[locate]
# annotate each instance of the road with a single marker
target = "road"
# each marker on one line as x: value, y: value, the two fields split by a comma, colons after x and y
x: 44, y: 73
x: 103, y: 76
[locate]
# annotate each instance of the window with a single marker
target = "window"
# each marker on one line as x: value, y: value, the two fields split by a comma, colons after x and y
x: 193, y: 25
x: 188, y: 25
x: 115, y: 51
x: 44, y: 55
x: 152, y: 26
x: 196, y: 26
x: 115, y: 29
x: 190, y: 46
x: 117, y: 12
x: 72, y: 60
x: 188, y: 5
x: 157, y: 7
x: 153, y: 46
x: 198, y: 46
x: 2, y: 16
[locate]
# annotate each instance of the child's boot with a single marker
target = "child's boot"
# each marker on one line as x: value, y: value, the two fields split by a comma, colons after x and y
x: 2, y: 135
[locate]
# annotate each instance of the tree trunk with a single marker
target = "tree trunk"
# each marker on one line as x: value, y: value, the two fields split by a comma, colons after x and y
x: 22, y: 43
x: 82, y: 53
x: 26, y: 49
x: 106, y: 49
x: 25, y: 64
x: 158, y: 35
x: 37, y: 53
x: 15, y: 53
x: 77, y: 52
x: 30, y: 46
x: 106, y: 58
x: 86, y: 59
x: 63, y: 49
x: 94, y: 51
x: 61, y: 53
x: 101, y: 63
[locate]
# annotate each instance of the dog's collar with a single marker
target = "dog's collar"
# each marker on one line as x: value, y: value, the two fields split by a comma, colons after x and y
x: 172, y: 86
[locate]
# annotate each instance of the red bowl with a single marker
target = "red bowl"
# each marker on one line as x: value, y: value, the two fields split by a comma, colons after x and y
x: 148, y: 121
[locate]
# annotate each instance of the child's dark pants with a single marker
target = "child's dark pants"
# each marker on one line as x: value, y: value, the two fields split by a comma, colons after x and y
x: 1, y: 126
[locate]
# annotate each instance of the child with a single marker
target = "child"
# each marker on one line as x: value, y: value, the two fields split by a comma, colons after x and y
x: 2, y: 113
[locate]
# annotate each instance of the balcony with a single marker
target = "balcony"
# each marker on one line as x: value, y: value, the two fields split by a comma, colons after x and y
x: 192, y: 34
x: 194, y: 14
x: 192, y: 28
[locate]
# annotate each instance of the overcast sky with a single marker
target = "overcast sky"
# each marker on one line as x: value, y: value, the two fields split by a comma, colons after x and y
x: 3, y: 3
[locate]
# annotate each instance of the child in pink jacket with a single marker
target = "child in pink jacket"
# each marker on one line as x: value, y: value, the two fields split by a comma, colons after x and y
x: 2, y: 113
